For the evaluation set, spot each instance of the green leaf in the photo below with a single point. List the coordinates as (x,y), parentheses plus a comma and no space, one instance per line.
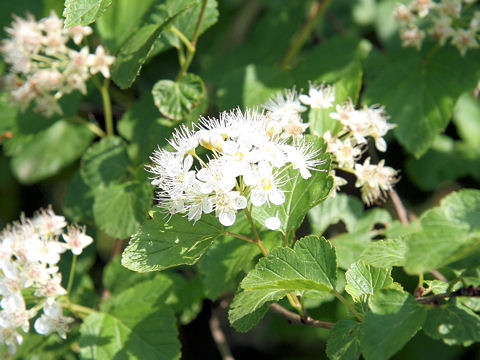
(116,278)
(121,20)
(394,320)
(78,201)
(186,298)
(251,85)
(83,12)
(465,116)
(429,171)
(159,245)
(134,52)
(136,324)
(310,265)
(229,259)
(44,154)
(300,194)
(347,209)
(385,253)
(119,209)
(454,325)
(176,100)
(248,308)
(144,127)
(420,94)
(363,281)
(343,342)
(449,233)
(104,162)
(359,224)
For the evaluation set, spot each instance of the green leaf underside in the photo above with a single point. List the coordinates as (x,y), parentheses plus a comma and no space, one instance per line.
(104,162)
(310,265)
(343,341)
(136,324)
(159,245)
(394,320)
(38,157)
(449,232)
(83,12)
(135,50)
(365,280)
(455,325)
(176,99)
(300,194)
(385,253)
(120,209)
(423,98)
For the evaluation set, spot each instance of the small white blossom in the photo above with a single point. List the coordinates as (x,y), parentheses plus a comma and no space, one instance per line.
(273,223)
(76,239)
(412,36)
(464,40)
(319,96)
(52,320)
(100,62)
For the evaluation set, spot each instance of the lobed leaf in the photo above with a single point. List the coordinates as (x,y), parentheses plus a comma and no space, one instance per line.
(159,245)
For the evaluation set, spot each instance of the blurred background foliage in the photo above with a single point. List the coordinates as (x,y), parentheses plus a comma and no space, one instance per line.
(238,58)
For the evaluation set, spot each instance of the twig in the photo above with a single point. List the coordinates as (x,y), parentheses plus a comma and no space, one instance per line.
(399,208)
(438,275)
(219,337)
(318,9)
(470,291)
(291,317)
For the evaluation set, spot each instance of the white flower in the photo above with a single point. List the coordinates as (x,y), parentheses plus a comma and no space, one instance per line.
(52,320)
(452,8)
(319,96)
(100,62)
(184,140)
(47,223)
(46,251)
(285,106)
(402,14)
(412,36)
(78,32)
(265,186)
(51,288)
(422,7)
(374,180)
(273,223)
(76,239)
(226,206)
(304,157)
(464,40)
(442,29)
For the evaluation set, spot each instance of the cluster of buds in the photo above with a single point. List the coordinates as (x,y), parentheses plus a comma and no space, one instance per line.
(246,162)
(444,20)
(43,66)
(29,277)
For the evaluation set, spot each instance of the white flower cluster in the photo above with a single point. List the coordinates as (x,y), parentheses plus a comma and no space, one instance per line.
(43,67)
(246,161)
(347,146)
(443,20)
(29,252)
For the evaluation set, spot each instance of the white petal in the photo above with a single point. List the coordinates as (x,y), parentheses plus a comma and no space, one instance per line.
(227,217)
(273,223)
(380,144)
(240,202)
(305,173)
(277,197)
(43,326)
(258,198)
(305,99)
